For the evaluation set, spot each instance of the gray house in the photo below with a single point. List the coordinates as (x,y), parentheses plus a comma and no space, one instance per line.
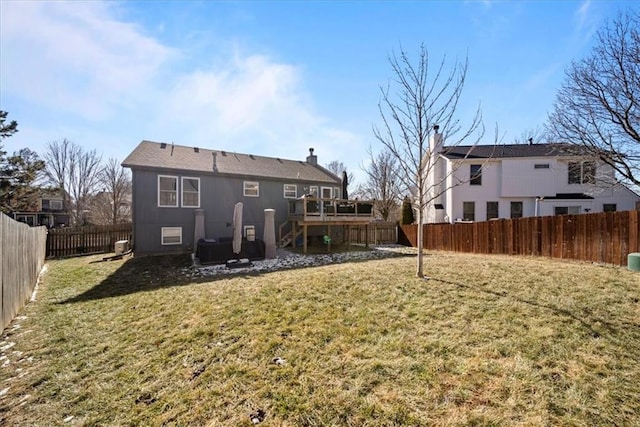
(171,183)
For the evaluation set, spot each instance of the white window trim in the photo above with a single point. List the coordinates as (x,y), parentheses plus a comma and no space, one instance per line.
(170,229)
(249,227)
(337,193)
(322,189)
(244,188)
(167,206)
(182,192)
(295,191)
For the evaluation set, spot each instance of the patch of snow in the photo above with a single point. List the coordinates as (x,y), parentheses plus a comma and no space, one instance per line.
(7,346)
(287,260)
(35,288)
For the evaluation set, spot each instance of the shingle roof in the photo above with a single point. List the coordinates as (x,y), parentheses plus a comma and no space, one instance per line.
(163,156)
(512,150)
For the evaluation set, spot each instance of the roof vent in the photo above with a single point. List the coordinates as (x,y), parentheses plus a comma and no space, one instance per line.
(196,150)
(163,145)
(224,153)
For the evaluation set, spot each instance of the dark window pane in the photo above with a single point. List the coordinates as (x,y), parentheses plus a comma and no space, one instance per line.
(476,175)
(516,209)
(492,210)
(574,173)
(469,211)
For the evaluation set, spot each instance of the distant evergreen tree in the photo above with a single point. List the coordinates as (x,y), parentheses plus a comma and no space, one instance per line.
(18,173)
(407,211)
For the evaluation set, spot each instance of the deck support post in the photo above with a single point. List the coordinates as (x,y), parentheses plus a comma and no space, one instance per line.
(366,235)
(304,238)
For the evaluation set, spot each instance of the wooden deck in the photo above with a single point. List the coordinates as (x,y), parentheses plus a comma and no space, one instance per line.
(312,211)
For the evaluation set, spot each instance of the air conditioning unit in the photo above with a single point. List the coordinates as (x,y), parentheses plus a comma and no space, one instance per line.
(121,247)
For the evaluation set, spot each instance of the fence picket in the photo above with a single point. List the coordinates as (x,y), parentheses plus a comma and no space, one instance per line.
(605,237)
(85,240)
(21,259)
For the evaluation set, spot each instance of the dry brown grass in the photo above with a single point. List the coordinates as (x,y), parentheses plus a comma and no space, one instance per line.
(489,340)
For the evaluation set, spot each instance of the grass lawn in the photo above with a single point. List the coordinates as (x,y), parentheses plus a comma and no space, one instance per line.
(489,340)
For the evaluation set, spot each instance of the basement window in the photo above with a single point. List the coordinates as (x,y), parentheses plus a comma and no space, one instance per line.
(171,235)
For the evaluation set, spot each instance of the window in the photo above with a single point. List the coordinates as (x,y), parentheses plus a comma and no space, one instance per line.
(190,192)
(251,189)
(27,219)
(476,175)
(171,235)
(55,205)
(326,192)
(313,191)
(469,211)
(290,191)
(609,207)
(250,232)
(516,209)
(589,172)
(167,191)
(492,210)
(541,166)
(337,193)
(567,210)
(582,172)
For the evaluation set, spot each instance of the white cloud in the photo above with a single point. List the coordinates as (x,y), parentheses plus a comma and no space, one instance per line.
(76,57)
(111,84)
(249,103)
(582,13)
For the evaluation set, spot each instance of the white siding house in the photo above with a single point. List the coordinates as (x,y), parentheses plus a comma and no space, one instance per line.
(520,180)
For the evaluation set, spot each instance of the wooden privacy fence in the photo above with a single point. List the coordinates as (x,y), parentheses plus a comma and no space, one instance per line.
(22,250)
(606,237)
(86,240)
(374,233)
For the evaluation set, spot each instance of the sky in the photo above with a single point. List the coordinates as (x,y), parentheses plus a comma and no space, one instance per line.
(272,78)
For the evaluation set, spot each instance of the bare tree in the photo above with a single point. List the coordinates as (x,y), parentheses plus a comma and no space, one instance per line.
(536,135)
(597,107)
(336,167)
(423,102)
(112,205)
(75,172)
(382,182)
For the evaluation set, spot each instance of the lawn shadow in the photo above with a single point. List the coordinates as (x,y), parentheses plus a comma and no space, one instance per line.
(612,330)
(149,273)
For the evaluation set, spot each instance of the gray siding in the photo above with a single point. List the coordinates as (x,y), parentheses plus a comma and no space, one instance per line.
(218,196)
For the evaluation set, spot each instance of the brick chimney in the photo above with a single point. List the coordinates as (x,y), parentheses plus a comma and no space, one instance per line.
(311,158)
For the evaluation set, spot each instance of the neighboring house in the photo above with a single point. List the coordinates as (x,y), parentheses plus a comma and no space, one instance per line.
(486,182)
(171,183)
(50,211)
(102,210)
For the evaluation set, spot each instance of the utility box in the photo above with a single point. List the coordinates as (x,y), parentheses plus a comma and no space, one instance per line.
(121,247)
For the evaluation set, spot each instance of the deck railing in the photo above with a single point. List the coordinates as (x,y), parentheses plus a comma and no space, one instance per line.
(308,207)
